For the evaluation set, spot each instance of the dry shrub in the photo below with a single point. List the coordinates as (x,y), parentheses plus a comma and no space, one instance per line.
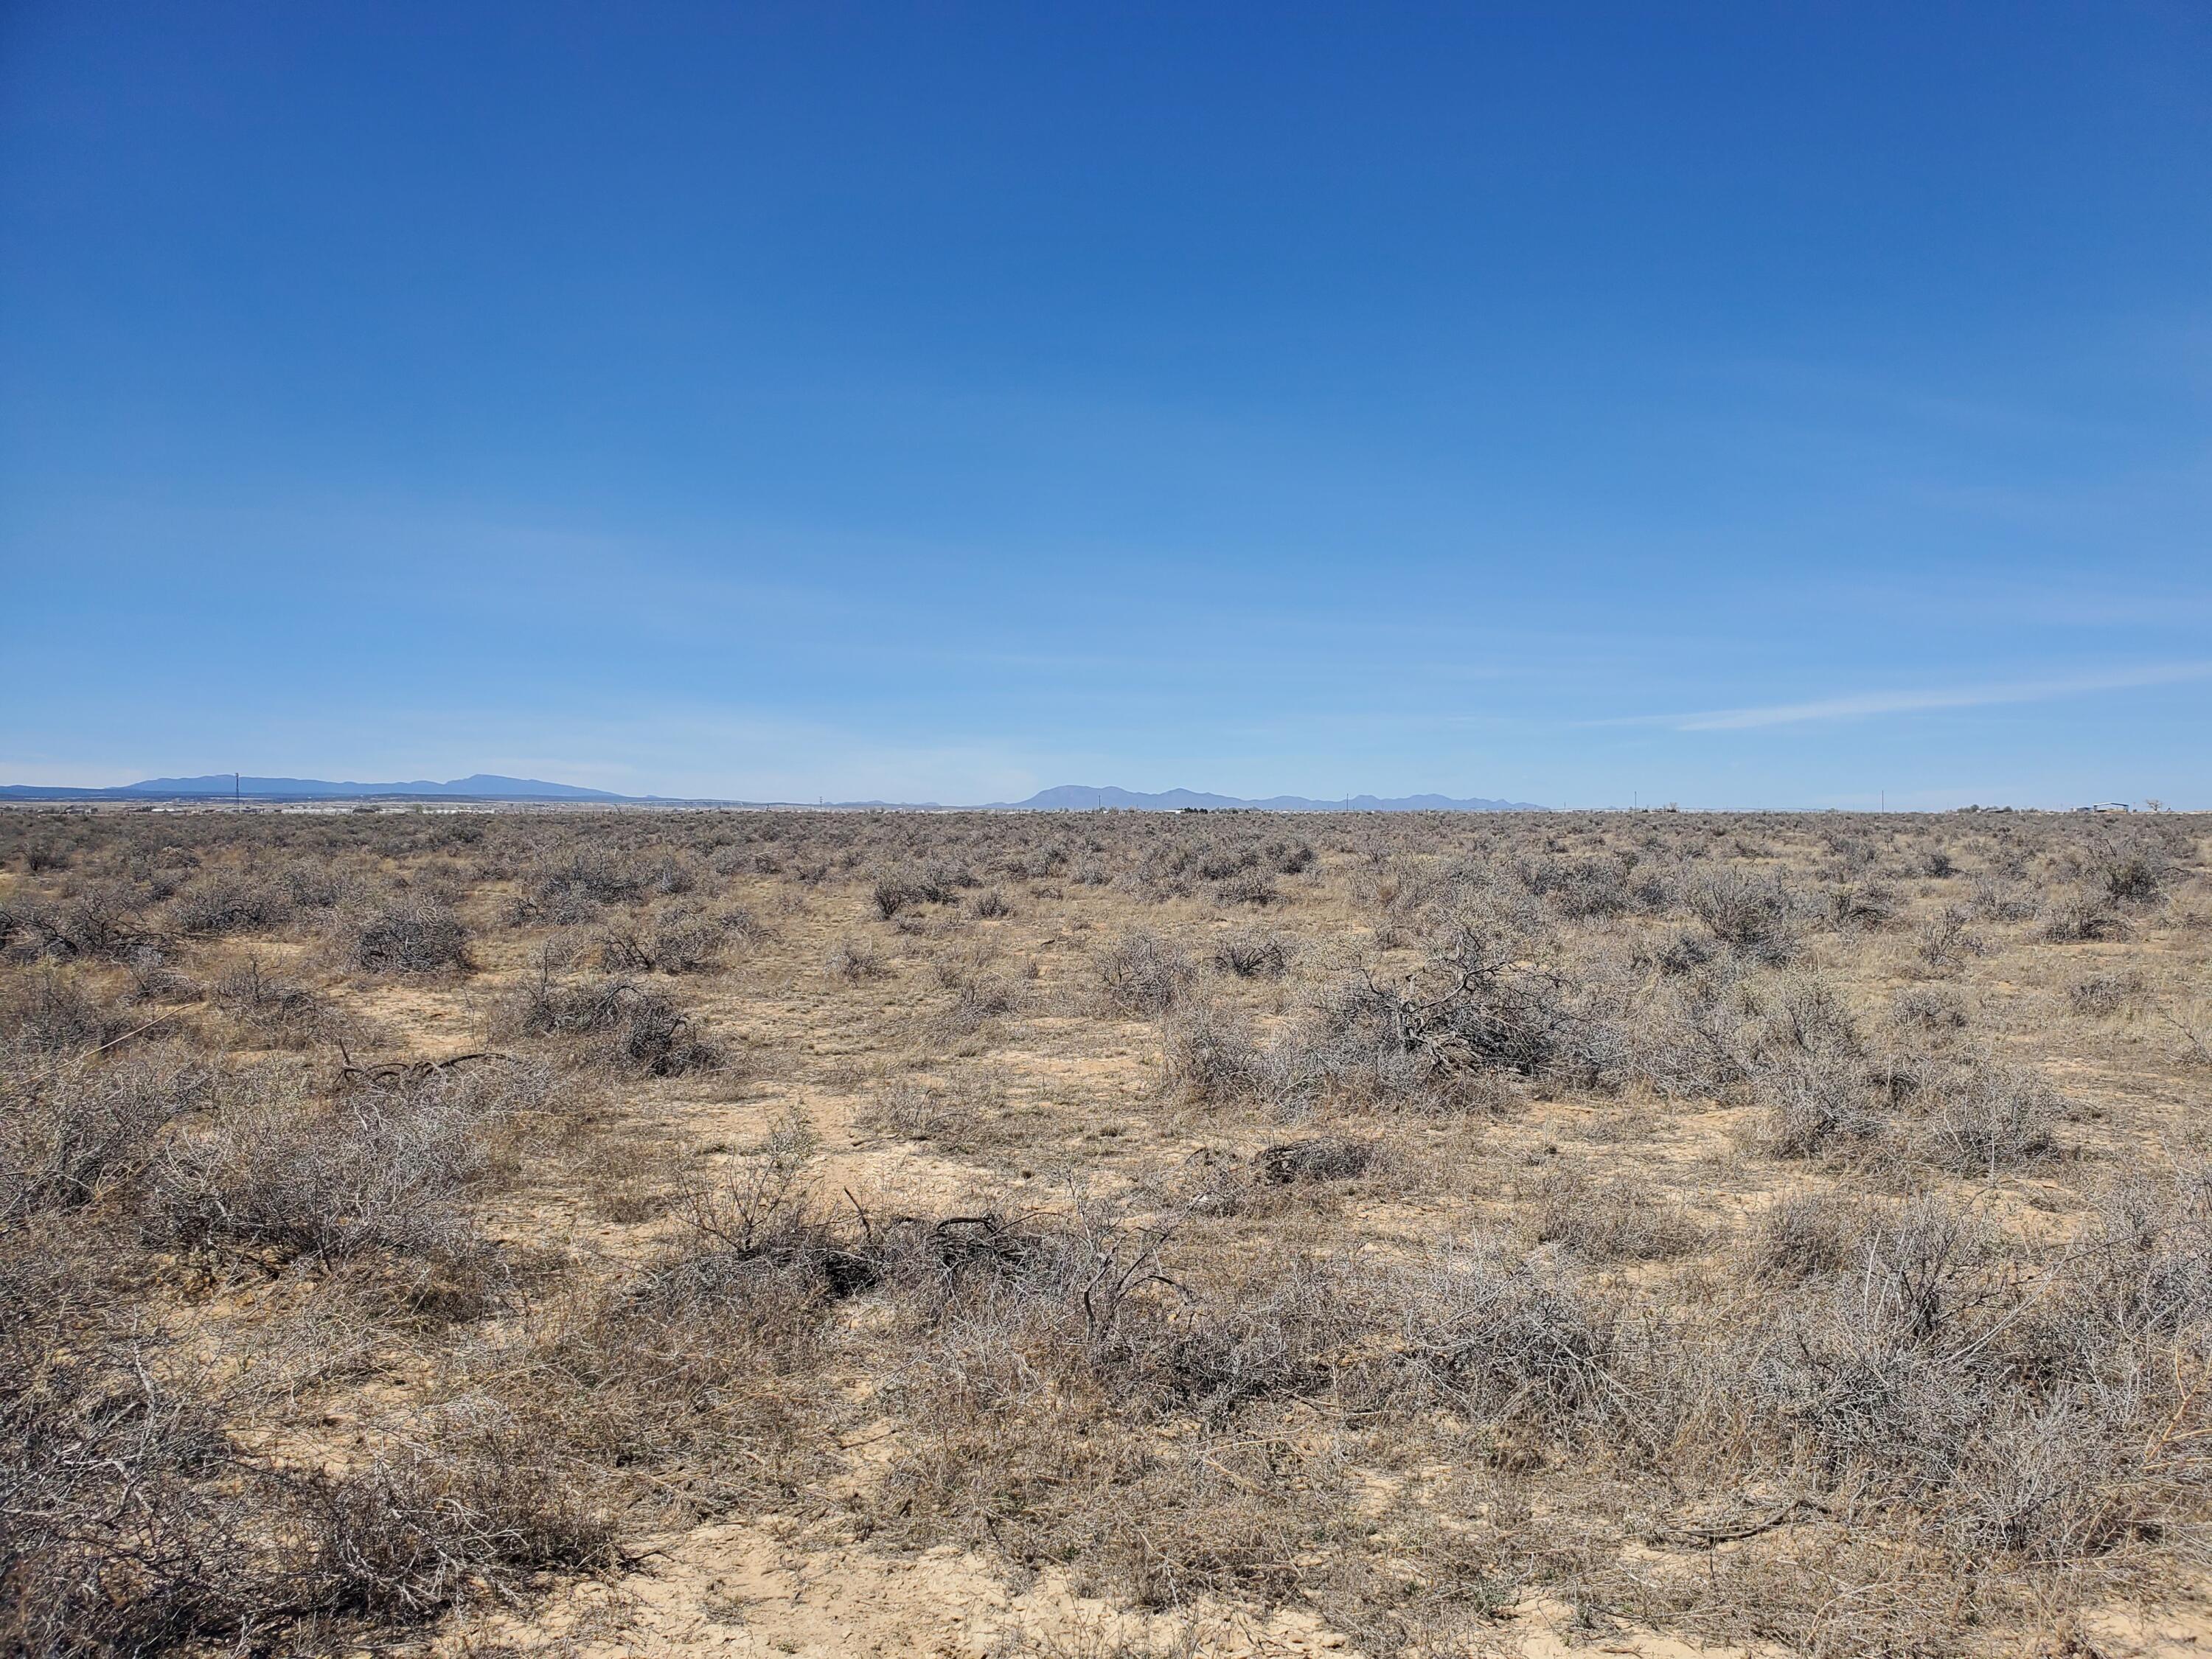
(231,902)
(1991,1118)
(695,1368)
(128,1524)
(380,1175)
(478,1507)
(54,1011)
(954,1113)
(412,934)
(1927,1008)
(2082,916)
(1479,1009)
(570,889)
(1753,916)
(1512,1343)
(1294,1162)
(1860,905)
(1622,1219)
(131,1521)
(1945,943)
(279,1011)
(1998,900)
(1815,1102)
(2131,869)
(977,1000)
(614,1023)
(1252,887)
(103,923)
(1583,888)
(2152,1271)
(853,960)
(1142,973)
(1804,1235)
(891,895)
(1254,956)
(1211,1057)
(71,1129)
(2101,996)
(680,940)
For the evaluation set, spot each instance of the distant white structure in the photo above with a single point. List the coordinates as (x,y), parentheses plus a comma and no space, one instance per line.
(2109,806)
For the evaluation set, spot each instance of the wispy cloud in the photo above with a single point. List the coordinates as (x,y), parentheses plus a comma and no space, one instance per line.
(1861,705)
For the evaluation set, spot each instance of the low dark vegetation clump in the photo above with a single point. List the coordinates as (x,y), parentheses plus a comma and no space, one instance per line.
(72,1129)
(229,902)
(615,1023)
(681,939)
(412,934)
(1254,956)
(276,1010)
(1141,973)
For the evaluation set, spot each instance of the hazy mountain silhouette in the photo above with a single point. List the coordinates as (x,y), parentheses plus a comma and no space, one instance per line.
(1079,797)
(483,785)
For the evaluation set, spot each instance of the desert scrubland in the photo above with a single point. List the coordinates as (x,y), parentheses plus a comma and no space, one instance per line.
(669,1232)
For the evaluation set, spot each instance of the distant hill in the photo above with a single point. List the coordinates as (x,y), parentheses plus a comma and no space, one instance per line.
(1079,797)
(482,786)
(488,786)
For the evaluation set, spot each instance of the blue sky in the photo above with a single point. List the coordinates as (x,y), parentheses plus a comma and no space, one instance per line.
(1790,405)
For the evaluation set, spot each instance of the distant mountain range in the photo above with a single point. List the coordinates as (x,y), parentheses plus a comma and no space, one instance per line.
(487,786)
(1082,798)
(221,785)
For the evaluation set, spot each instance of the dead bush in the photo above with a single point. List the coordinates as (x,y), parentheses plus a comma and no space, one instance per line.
(853,960)
(615,1023)
(977,1000)
(411,934)
(2081,916)
(1815,1102)
(280,1012)
(1477,1006)
(382,1171)
(1142,973)
(1617,1219)
(1991,1118)
(1508,1343)
(1804,1235)
(129,1524)
(2101,996)
(1754,916)
(53,1011)
(1926,1008)
(891,894)
(1209,1056)
(1860,905)
(70,1129)
(1945,942)
(476,1508)
(1252,887)
(230,902)
(1294,1162)
(1254,956)
(104,922)
(682,940)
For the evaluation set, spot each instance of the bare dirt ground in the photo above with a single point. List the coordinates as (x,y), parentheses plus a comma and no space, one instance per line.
(670,1233)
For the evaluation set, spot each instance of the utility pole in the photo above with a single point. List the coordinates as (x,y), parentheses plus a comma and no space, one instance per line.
(237,790)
